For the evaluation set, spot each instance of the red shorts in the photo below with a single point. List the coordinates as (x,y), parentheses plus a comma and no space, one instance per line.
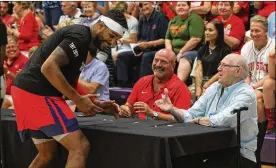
(41,117)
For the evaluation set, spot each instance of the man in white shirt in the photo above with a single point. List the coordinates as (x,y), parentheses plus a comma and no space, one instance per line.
(72,14)
(256,54)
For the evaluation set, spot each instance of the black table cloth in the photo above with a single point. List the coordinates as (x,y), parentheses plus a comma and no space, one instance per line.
(124,143)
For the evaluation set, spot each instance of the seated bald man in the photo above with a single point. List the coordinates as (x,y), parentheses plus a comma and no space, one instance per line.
(149,88)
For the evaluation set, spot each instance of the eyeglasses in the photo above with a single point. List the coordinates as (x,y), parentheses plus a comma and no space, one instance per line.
(222,65)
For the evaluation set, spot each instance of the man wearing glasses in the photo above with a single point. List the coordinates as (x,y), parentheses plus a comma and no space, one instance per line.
(214,107)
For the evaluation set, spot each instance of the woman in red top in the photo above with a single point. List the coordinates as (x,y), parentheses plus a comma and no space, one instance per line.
(264,8)
(234,29)
(27,28)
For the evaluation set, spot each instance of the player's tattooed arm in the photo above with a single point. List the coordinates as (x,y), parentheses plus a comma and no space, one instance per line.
(60,57)
(52,72)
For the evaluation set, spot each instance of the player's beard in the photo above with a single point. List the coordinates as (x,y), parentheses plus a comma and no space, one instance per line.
(97,42)
(100,43)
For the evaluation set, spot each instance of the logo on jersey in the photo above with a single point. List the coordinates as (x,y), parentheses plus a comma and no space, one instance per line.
(82,66)
(227,29)
(176,29)
(75,51)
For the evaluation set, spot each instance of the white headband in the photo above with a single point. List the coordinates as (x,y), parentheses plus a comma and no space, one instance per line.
(111,24)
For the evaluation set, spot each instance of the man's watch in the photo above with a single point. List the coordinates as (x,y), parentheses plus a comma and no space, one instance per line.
(155,115)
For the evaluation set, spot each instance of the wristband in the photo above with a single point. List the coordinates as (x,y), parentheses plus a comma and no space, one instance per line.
(80,89)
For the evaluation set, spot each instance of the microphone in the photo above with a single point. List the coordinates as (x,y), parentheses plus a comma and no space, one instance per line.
(239,110)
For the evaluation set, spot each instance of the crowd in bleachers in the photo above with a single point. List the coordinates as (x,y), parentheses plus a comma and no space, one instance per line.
(200,34)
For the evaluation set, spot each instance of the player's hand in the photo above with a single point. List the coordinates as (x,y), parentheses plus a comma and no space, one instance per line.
(104,104)
(86,106)
(109,106)
(115,110)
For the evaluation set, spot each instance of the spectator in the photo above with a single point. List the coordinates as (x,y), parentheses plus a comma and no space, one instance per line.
(39,19)
(269,93)
(202,8)
(214,107)
(264,8)
(27,28)
(133,9)
(168,8)
(256,54)
(6,17)
(89,11)
(71,14)
(37,5)
(94,76)
(241,9)
(102,7)
(149,88)
(130,36)
(271,25)
(214,8)
(233,26)
(52,12)
(183,36)
(209,56)
(151,34)
(14,62)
